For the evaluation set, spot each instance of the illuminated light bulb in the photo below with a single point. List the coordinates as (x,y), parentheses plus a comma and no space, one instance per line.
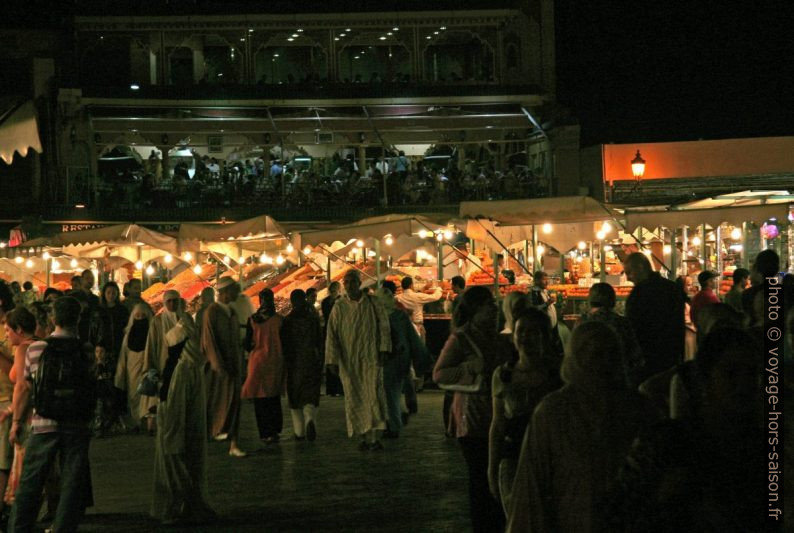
(601,235)
(573,254)
(541,249)
(3,244)
(73,263)
(197,269)
(696,241)
(168,258)
(280,259)
(241,260)
(422,234)
(188,256)
(582,245)
(138,265)
(667,249)
(290,248)
(579,259)
(56,265)
(371,253)
(606,227)
(439,237)
(447,234)
(736,234)
(149,270)
(389,240)
(263,258)
(307,250)
(646,252)
(18,259)
(226,259)
(29,263)
(359,243)
(547,228)
(46,255)
(689,254)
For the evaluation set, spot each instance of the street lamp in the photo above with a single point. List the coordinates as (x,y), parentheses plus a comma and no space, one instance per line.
(638,166)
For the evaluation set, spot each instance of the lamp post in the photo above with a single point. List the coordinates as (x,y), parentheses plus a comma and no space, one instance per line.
(637,169)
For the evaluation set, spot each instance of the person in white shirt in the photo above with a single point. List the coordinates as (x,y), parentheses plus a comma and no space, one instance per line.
(414,302)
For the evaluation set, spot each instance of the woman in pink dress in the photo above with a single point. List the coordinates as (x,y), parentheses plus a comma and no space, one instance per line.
(266,372)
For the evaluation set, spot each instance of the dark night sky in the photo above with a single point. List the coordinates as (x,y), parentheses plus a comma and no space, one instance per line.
(630,71)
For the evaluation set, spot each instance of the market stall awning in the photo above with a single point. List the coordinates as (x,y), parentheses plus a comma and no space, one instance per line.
(122,240)
(562,237)
(372,228)
(18,130)
(563,209)
(731,209)
(253,228)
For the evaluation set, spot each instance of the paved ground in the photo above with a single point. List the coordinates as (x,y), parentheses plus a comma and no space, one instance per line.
(418,483)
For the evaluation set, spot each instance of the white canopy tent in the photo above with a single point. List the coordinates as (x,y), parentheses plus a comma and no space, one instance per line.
(233,239)
(18,131)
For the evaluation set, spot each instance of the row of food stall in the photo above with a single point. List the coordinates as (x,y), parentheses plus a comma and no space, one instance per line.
(576,240)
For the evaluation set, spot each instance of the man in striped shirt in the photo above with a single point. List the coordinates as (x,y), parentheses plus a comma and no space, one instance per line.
(50,438)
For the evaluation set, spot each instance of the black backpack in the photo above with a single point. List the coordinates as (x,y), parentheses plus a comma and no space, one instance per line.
(64,384)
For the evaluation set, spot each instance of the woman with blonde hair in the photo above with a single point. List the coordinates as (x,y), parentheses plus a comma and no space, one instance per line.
(129,370)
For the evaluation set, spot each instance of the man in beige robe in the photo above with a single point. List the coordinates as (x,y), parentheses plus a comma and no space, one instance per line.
(156,352)
(220,342)
(180,493)
(357,343)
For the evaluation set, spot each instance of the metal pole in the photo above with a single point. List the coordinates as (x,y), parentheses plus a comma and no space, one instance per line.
(240,264)
(673,256)
(526,254)
(495,273)
(328,270)
(603,258)
(745,253)
(440,260)
(718,248)
(703,255)
(48,269)
(377,259)
(535,262)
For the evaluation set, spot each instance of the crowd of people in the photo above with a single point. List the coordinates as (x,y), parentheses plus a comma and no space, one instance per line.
(257,181)
(605,428)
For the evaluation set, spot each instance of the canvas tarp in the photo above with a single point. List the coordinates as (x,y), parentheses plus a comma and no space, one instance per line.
(19,132)
(372,228)
(731,209)
(562,237)
(253,228)
(564,209)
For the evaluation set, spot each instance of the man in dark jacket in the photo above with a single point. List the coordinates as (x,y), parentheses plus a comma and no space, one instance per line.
(655,309)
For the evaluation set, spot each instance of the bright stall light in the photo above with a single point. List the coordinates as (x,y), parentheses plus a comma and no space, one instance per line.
(18,259)
(290,248)
(606,227)
(188,256)
(582,245)
(572,254)
(29,263)
(447,234)
(422,234)
(197,269)
(359,243)
(138,265)
(667,249)
(371,253)
(579,259)
(389,240)
(227,259)
(280,259)
(240,260)
(168,258)
(541,249)
(647,252)
(547,228)
(736,234)
(439,237)
(73,263)
(696,241)
(46,255)
(56,265)
(307,250)
(601,235)
(149,270)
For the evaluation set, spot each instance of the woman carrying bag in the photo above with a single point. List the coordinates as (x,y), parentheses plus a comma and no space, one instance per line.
(466,363)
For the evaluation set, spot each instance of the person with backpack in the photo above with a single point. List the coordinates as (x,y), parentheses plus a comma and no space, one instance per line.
(60,386)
